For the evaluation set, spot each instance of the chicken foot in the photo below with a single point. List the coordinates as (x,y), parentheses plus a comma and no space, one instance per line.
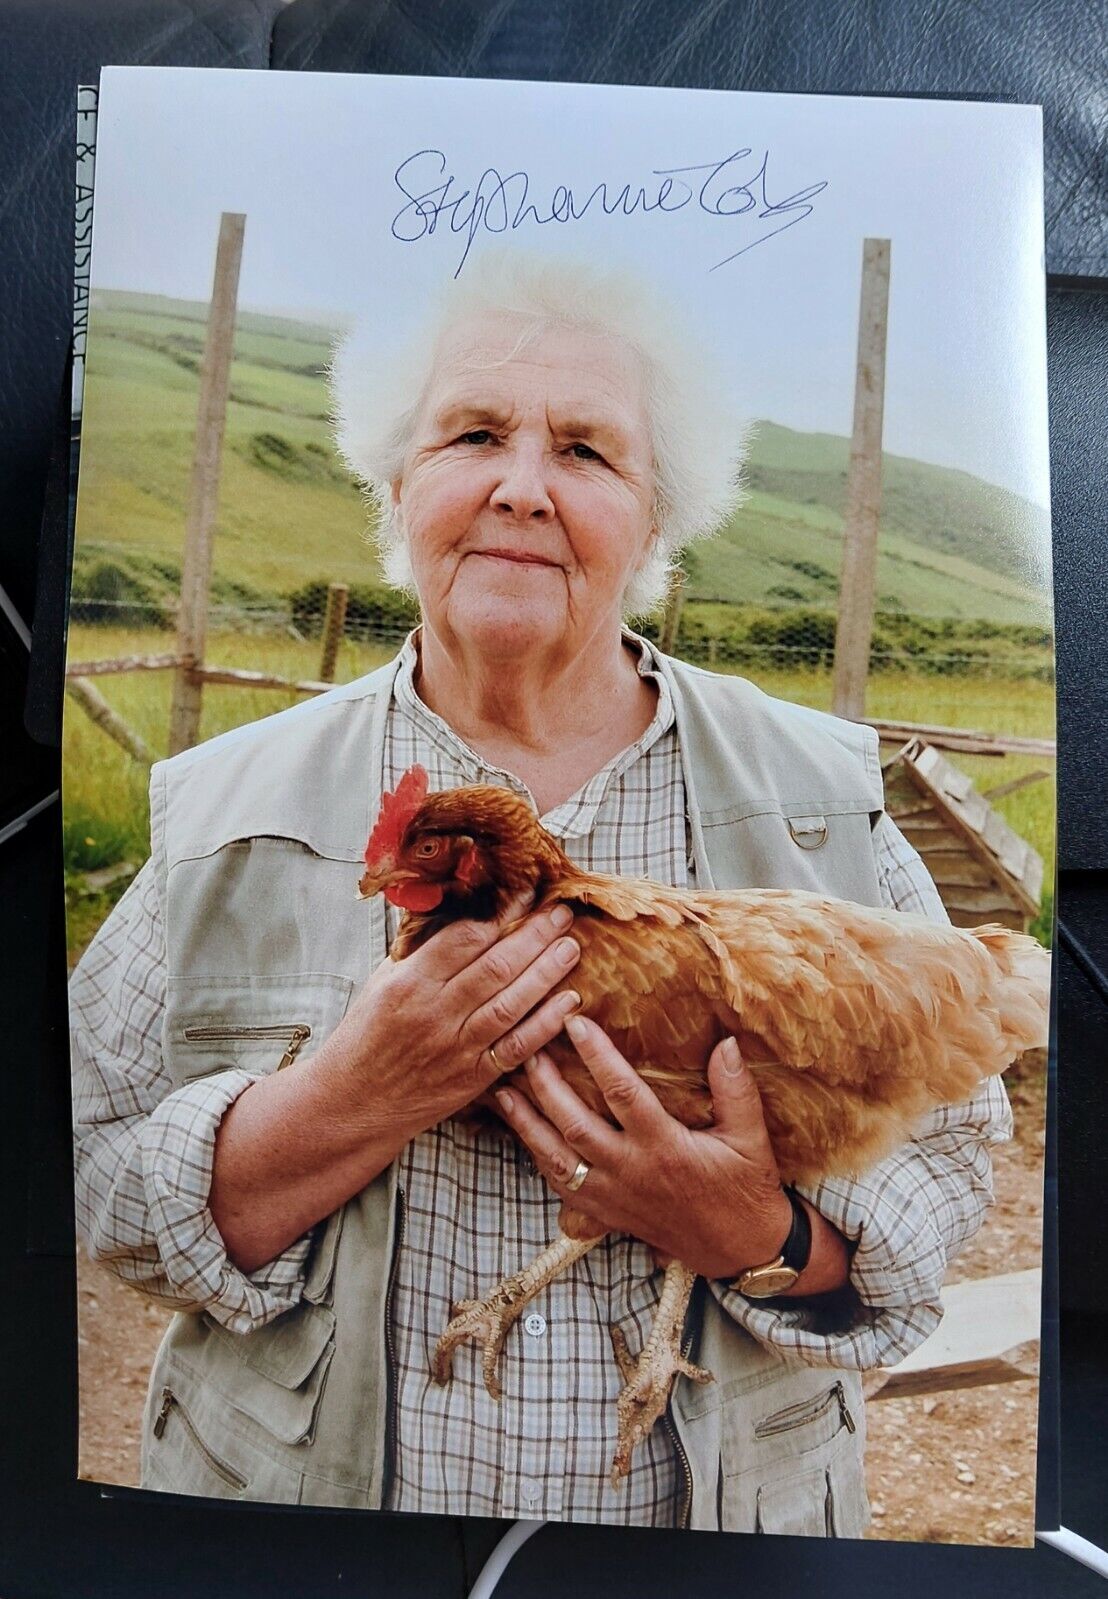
(487,1321)
(647,1381)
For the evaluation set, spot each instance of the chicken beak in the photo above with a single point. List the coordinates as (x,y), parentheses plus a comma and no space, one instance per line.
(372,883)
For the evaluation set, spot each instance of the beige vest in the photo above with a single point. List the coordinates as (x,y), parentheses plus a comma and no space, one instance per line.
(257,838)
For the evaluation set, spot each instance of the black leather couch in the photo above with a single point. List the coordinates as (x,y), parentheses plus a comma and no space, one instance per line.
(58,1536)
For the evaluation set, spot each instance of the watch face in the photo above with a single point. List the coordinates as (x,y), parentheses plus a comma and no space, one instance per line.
(770,1280)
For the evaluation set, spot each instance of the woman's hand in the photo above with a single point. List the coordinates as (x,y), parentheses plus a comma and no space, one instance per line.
(712,1198)
(429,1034)
(415,1046)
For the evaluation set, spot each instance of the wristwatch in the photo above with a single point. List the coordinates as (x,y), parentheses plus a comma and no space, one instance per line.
(777,1276)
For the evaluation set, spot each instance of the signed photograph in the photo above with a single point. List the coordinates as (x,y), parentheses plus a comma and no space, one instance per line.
(559,802)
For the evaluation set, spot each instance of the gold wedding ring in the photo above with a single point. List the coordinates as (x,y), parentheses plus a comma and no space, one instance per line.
(580,1172)
(495,1062)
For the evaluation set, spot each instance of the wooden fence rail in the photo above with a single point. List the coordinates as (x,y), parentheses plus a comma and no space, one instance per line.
(239,677)
(967,740)
(96,707)
(127,663)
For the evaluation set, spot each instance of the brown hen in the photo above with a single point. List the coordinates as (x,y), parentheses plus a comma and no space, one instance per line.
(854,1021)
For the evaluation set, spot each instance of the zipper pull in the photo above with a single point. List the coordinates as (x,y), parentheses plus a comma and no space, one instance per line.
(847,1419)
(167,1406)
(299,1034)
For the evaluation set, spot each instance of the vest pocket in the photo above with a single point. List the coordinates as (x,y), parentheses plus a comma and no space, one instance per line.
(263,1386)
(193,1443)
(820,848)
(261,1024)
(230,1415)
(296,1034)
(807,1411)
(798,1506)
(794,1468)
(276,1375)
(171,1406)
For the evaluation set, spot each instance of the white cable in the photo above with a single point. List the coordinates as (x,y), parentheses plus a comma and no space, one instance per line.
(498,1562)
(13,616)
(21,821)
(1078,1548)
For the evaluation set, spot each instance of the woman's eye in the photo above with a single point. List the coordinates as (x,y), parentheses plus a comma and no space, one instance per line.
(478,436)
(584,452)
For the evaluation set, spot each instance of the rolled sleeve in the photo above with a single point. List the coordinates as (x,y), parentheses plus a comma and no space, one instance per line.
(143,1152)
(906,1220)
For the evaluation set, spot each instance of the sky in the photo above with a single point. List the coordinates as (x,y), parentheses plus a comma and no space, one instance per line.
(752,215)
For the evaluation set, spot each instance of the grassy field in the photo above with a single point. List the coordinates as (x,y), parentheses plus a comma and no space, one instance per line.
(105,807)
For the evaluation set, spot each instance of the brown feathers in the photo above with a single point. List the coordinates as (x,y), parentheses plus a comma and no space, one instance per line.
(855,1022)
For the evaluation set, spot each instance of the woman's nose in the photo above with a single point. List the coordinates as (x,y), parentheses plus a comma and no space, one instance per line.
(522,491)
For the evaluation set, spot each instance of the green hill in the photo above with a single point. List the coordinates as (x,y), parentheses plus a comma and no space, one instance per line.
(946,510)
(951,545)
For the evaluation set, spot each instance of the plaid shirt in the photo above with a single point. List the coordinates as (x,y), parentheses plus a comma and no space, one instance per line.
(474,1208)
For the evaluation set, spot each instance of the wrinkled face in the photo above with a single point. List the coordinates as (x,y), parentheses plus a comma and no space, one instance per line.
(527,495)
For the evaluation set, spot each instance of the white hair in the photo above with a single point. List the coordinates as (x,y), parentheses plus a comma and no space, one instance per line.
(698,440)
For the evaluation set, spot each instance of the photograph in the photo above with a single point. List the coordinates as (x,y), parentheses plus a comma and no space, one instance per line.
(559,801)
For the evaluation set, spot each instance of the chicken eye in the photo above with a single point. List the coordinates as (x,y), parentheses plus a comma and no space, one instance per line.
(428,847)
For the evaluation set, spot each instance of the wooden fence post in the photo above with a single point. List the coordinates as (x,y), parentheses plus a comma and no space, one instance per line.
(858,582)
(211,417)
(671,616)
(334,621)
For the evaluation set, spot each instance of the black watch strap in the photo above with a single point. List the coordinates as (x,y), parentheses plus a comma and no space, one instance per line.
(797,1248)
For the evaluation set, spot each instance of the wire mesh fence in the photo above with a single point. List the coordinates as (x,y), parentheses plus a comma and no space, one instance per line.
(981,678)
(713,633)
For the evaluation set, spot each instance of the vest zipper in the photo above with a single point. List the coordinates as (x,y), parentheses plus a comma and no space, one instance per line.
(685,1513)
(296,1034)
(170,1402)
(847,1418)
(807,1411)
(390,1351)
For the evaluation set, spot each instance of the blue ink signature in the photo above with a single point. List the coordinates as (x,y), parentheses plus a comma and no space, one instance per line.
(732,188)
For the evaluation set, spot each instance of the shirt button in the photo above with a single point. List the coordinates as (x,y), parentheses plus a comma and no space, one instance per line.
(529,1491)
(535,1324)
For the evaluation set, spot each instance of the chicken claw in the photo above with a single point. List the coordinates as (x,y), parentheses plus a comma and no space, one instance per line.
(483,1321)
(648,1381)
(488,1321)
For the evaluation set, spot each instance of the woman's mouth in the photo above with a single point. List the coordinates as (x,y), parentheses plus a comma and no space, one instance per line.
(518,557)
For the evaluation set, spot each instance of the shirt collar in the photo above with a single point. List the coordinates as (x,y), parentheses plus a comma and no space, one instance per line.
(576,815)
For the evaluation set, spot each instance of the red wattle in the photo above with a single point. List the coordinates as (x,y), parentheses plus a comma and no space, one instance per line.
(413,896)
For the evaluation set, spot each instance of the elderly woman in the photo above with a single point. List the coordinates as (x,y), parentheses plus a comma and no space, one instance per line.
(538,460)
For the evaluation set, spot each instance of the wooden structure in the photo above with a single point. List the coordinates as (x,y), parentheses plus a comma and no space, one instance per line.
(989,1334)
(970,741)
(984,871)
(858,582)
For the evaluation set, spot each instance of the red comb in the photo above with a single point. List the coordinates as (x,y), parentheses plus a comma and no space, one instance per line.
(397,810)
